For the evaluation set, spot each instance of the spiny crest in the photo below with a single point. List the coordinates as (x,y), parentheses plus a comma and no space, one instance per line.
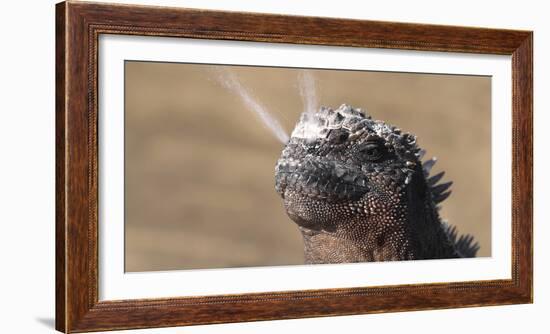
(465,244)
(439,191)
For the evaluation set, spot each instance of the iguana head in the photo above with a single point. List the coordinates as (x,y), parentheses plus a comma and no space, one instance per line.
(340,165)
(347,176)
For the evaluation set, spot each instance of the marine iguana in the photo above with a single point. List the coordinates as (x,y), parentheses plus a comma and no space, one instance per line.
(358,191)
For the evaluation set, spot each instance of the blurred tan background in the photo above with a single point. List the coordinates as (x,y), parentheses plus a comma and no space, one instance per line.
(200,166)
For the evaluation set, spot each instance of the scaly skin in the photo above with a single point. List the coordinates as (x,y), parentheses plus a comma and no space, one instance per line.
(358,192)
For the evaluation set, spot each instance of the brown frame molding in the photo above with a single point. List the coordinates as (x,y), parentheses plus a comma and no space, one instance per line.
(78,25)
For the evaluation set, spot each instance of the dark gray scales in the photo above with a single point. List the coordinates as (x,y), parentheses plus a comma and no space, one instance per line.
(358,191)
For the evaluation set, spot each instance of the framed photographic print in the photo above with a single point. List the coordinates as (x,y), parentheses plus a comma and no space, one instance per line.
(224,166)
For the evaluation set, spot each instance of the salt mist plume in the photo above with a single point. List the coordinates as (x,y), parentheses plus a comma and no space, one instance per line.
(308,92)
(230,81)
(307,127)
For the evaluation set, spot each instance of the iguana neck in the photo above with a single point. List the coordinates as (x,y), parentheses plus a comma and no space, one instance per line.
(322,247)
(406,230)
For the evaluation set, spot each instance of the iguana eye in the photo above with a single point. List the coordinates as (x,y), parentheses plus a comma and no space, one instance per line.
(372,150)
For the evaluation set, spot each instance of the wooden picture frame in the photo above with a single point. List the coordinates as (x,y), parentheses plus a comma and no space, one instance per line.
(78,26)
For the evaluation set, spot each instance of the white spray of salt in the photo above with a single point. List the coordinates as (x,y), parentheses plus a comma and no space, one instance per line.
(230,81)
(308,127)
(308,92)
